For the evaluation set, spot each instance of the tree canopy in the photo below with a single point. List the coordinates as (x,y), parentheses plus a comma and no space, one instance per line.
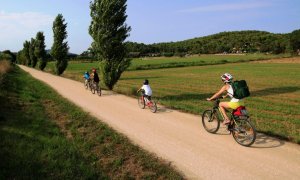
(109,31)
(60,48)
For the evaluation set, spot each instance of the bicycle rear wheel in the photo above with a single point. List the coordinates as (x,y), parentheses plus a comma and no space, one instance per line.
(244,132)
(99,91)
(141,102)
(153,106)
(210,121)
(93,88)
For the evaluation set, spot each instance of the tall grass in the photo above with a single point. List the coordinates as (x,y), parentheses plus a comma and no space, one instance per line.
(5,67)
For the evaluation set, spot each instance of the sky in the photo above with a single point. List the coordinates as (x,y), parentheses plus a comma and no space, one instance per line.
(151,21)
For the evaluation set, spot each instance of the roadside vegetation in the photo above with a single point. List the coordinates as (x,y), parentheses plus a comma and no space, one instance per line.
(45,136)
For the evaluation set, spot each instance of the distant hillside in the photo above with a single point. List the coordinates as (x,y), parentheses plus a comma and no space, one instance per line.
(224,42)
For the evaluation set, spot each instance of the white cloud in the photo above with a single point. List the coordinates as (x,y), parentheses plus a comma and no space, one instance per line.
(18,27)
(226,7)
(26,19)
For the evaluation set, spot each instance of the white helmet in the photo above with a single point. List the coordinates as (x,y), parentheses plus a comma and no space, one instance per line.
(226,77)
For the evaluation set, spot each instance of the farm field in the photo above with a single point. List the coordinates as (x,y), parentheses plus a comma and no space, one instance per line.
(274,85)
(275,91)
(170,62)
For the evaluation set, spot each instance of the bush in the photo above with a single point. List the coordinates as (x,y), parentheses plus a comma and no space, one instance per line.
(5,67)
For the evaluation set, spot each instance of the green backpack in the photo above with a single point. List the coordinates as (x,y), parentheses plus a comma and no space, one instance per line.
(240,89)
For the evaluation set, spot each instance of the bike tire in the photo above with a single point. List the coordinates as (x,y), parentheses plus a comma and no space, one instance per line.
(243,132)
(210,121)
(93,89)
(141,102)
(153,107)
(86,85)
(99,91)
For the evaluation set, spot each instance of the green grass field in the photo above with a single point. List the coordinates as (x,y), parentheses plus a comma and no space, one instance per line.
(275,91)
(169,62)
(45,136)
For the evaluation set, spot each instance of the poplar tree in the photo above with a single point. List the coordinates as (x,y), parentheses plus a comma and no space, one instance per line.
(109,31)
(26,47)
(33,58)
(60,48)
(40,51)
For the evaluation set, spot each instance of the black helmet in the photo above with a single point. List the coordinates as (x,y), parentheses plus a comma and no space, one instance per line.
(146,82)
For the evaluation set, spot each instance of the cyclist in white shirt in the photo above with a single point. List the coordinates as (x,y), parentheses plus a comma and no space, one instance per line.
(147,89)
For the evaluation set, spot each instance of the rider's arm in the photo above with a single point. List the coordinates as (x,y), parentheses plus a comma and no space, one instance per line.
(141,88)
(219,93)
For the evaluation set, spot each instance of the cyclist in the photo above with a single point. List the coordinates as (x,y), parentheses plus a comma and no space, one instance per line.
(227,88)
(95,77)
(86,76)
(147,89)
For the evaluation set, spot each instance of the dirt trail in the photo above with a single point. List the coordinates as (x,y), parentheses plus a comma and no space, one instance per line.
(180,138)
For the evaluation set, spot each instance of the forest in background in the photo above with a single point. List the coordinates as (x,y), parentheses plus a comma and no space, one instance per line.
(224,42)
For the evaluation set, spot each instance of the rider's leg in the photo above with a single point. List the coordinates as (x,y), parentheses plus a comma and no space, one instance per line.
(223,106)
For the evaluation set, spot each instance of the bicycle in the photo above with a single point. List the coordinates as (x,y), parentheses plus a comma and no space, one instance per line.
(143,101)
(87,83)
(95,88)
(240,126)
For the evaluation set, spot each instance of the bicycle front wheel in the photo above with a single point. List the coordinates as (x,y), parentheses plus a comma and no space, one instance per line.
(86,85)
(93,88)
(153,106)
(210,121)
(244,132)
(141,102)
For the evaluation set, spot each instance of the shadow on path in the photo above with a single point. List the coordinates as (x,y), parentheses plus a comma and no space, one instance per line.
(265,141)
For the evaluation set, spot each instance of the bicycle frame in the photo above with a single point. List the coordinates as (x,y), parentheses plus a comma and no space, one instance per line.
(219,112)
(240,127)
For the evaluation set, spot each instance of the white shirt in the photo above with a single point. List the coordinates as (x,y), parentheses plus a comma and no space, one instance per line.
(147,90)
(230,93)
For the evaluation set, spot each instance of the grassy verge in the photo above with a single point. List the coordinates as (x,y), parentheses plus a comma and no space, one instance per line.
(5,67)
(45,136)
(273,104)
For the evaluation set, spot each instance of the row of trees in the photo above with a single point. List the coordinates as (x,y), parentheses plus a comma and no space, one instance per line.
(228,42)
(108,30)
(34,52)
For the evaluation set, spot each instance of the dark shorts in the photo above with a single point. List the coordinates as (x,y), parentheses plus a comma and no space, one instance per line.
(148,97)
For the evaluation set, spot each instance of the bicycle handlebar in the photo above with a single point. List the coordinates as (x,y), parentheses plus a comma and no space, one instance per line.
(218,98)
